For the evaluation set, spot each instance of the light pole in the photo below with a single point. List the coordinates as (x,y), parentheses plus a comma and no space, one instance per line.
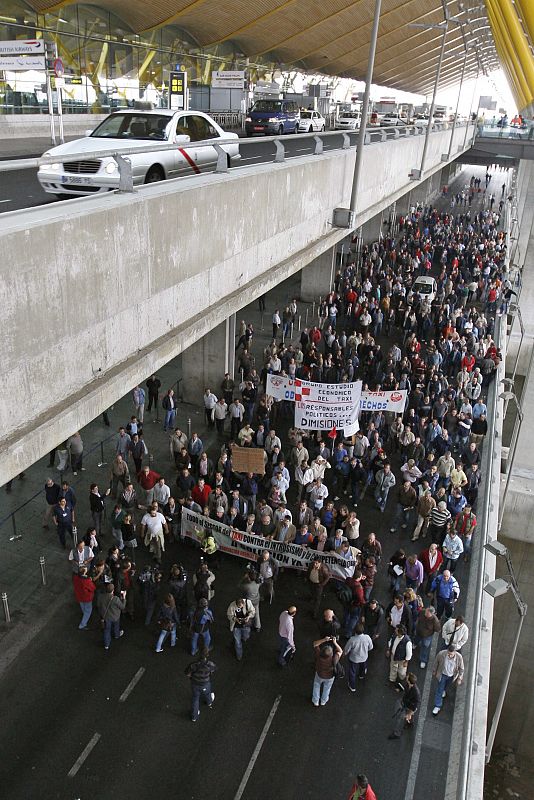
(496,588)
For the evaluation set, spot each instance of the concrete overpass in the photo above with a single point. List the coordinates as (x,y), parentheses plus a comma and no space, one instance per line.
(100,292)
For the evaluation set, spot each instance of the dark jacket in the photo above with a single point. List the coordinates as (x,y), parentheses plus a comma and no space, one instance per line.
(200,671)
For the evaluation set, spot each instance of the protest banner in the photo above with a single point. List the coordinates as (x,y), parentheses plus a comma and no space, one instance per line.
(280,387)
(394,400)
(250,546)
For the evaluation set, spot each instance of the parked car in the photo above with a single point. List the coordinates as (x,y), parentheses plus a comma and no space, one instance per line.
(311,121)
(123,130)
(348,121)
(388,120)
(272,117)
(426,287)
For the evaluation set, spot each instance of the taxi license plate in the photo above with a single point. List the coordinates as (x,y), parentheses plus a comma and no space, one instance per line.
(77,179)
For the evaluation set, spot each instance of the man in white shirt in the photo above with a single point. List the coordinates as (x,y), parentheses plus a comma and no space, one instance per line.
(161,493)
(153,526)
(210,401)
(317,494)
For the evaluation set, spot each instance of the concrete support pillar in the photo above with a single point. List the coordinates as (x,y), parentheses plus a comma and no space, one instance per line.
(206,361)
(317,278)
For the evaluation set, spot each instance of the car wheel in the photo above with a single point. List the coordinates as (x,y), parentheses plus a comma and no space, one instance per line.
(323,129)
(310,129)
(154,175)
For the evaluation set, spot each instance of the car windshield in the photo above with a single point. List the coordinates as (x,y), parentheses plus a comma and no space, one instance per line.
(267,105)
(423,288)
(134,126)
(305,114)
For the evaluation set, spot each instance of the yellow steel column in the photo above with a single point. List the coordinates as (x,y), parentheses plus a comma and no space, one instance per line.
(520,43)
(497,21)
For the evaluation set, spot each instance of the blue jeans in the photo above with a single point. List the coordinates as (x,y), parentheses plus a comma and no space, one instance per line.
(351,617)
(321,683)
(194,641)
(111,626)
(282,647)
(381,497)
(402,516)
(163,636)
(424,647)
(443,685)
(170,415)
(240,635)
(199,691)
(87,609)
(356,670)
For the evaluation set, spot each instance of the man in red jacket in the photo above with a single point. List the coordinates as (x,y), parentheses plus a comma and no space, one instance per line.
(362,789)
(84,590)
(431,559)
(200,493)
(147,480)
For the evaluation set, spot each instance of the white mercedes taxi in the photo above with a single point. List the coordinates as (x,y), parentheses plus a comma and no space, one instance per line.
(122,130)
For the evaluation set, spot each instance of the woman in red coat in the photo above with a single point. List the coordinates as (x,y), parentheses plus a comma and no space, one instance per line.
(431,559)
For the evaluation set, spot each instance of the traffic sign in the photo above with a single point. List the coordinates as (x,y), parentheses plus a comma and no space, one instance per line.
(59,69)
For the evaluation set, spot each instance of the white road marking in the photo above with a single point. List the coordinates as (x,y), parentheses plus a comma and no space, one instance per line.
(423,716)
(78,763)
(131,686)
(6,201)
(255,754)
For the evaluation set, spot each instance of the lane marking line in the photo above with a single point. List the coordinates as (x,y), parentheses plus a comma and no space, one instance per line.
(131,686)
(255,754)
(78,763)
(420,729)
(7,201)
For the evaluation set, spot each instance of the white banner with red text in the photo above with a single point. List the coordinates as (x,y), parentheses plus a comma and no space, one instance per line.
(283,388)
(250,546)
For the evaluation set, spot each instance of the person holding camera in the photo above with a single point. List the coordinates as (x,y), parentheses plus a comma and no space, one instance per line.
(327,654)
(240,614)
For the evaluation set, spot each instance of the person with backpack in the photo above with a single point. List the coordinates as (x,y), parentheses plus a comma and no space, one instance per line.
(178,589)
(352,604)
(199,673)
(327,655)
(201,620)
(250,588)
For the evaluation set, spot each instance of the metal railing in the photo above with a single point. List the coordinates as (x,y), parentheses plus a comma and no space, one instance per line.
(124,166)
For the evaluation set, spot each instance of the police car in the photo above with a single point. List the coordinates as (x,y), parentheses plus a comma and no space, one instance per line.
(122,130)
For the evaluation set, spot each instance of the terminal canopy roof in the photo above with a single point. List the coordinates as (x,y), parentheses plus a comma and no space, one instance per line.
(332,36)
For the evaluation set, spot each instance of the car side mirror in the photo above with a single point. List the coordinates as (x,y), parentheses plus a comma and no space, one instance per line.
(182,138)
(88,132)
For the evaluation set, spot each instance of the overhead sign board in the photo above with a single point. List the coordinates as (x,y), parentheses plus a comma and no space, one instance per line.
(178,90)
(228,79)
(22,63)
(21,47)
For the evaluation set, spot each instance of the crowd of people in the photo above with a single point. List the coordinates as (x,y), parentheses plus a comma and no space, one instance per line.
(420,468)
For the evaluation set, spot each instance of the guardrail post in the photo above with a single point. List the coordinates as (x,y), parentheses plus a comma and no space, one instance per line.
(125,173)
(313,309)
(318,146)
(222,159)
(5,603)
(306,318)
(189,427)
(280,152)
(74,536)
(43,569)
(346,141)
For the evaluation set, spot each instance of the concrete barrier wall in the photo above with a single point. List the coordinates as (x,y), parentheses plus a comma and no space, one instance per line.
(98,293)
(35,126)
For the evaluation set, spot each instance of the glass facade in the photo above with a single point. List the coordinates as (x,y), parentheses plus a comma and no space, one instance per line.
(107,65)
